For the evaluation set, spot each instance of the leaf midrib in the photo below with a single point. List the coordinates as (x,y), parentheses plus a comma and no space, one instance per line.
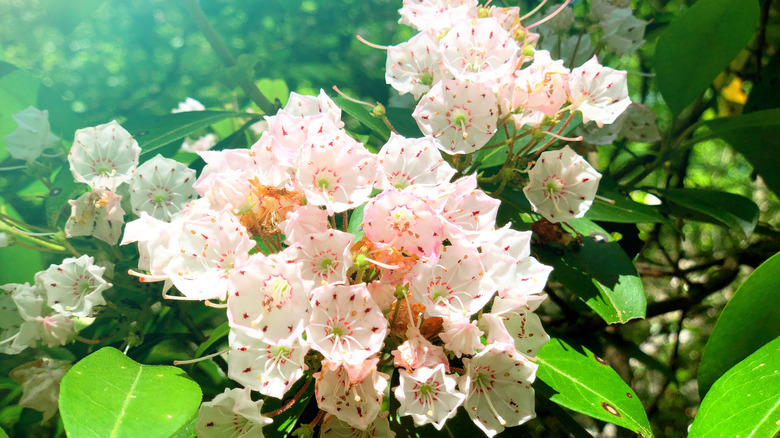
(126,403)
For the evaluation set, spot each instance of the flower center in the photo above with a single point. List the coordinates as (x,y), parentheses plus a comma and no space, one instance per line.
(276,292)
(104,167)
(553,187)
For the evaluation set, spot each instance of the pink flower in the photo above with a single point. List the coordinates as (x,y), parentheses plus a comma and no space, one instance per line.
(461,336)
(303,221)
(480,51)
(436,15)
(417,352)
(405,162)
(403,221)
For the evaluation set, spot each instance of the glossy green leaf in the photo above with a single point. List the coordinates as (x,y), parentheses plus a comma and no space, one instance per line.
(749,320)
(3,434)
(403,122)
(577,379)
(355,225)
(755,136)
(734,211)
(599,272)
(698,45)
(744,402)
(764,93)
(362,114)
(154,132)
(623,210)
(26,262)
(108,395)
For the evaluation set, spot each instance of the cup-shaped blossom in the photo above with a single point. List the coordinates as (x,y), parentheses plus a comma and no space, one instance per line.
(32,135)
(498,388)
(428,395)
(452,284)
(97,213)
(40,381)
(335,171)
(231,414)
(269,367)
(480,51)
(599,93)
(460,116)
(520,327)
(302,221)
(74,286)
(308,106)
(413,66)
(325,256)
(269,298)
(346,324)
(405,162)
(436,15)
(355,400)
(18,303)
(103,156)
(403,221)
(466,210)
(161,187)
(461,336)
(562,185)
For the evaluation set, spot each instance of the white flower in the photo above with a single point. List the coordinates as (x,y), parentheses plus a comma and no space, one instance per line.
(460,116)
(40,382)
(325,256)
(479,51)
(353,397)
(231,414)
(189,104)
(161,187)
(74,286)
(346,324)
(498,388)
(599,93)
(268,367)
(103,156)
(405,162)
(428,395)
(436,15)
(623,32)
(562,185)
(97,213)
(203,143)
(461,336)
(413,66)
(32,136)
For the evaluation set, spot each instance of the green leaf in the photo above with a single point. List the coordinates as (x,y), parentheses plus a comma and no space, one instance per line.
(285,422)
(599,272)
(700,44)
(361,113)
(107,394)
(764,94)
(64,187)
(749,320)
(26,262)
(18,90)
(744,402)
(355,225)
(274,89)
(578,380)
(734,211)
(755,136)
(624,210)
(154,132)
(403,122)
(216,335)
(3,434)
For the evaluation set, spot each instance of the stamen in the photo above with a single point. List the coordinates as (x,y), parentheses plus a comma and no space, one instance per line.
(611,201)
(376,46)
(533,11)
(352,99)
(560,137)
(549,17)
(199,359)
(493,410)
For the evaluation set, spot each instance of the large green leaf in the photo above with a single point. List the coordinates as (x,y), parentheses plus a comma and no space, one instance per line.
(697,46)
(26,262)
(624,209)
(3,434)
(751,319)
(734,211)
(745,402)
(154,132)
(108,395)
(578,380)
(755,136)
(361,113)
(18,90)
(599,272)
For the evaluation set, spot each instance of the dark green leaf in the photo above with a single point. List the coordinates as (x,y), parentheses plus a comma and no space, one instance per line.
(744,402)
(108,395)
(755,136)
(402,121)
(599,272)
(285,422)
(764,93)
(362,114)
(154,132)
(624,210)
(64,187)
(749,321)
(355,225)
(578,380)
(697,46)
(734,211)
(216,335)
